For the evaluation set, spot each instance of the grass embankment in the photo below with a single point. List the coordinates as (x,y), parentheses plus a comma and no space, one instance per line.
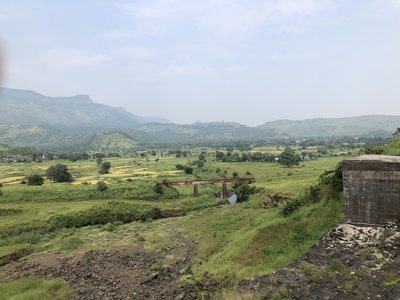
(35,289)
(245,240)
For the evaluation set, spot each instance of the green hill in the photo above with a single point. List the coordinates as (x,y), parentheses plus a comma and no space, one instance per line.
(51,139)
(31,108)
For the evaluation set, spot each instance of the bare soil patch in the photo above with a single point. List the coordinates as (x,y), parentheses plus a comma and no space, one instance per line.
(117,273)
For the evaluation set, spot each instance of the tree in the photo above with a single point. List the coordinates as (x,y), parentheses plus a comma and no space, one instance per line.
(105,167)
(187,169)
(101,186)
(289,158)
(59,173)
(35,179)
(396,134)
(242,192)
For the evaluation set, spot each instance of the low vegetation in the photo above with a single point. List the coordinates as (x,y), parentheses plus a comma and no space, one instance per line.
(33,288)
(131,203)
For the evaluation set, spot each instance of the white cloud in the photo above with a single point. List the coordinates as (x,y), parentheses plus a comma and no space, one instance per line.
(67,58)
(224,16)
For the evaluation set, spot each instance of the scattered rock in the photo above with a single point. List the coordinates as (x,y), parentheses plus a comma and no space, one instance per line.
(350,262)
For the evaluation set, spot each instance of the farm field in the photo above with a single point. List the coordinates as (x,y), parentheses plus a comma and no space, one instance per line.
(197,239)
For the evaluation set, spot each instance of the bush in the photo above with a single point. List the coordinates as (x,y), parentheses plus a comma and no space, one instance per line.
(105,167)
(290,207)
(103,214)
(333,178)
(186,169)
(23,181)
(101,186)
(35,179)
(158,188)
(242,192)
(312,194)
(374,150)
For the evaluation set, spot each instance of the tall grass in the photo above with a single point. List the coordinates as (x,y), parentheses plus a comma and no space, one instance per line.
(393,148)
(35,289)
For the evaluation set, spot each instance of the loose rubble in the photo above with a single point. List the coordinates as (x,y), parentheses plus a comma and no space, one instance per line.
(118,273)
(350,262)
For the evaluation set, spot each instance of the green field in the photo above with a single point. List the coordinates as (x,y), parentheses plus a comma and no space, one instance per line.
(233,242)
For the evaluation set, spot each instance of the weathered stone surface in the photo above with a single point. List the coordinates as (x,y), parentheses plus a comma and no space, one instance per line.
(371,187)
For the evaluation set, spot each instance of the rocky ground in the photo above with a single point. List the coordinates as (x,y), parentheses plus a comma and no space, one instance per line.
(118,273)
(350,262)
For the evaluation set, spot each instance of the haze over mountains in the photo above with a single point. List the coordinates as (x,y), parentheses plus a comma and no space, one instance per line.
(31,108)
(30,119)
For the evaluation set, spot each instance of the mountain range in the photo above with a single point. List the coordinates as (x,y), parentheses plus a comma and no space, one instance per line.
(30,119)
(31,108)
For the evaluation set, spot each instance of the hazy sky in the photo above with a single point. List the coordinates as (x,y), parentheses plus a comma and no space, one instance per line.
(249,61)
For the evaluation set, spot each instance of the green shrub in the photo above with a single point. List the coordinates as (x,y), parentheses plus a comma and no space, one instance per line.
(105,167)
(170,193)
(290,207)
(103,214)
(243,191)
(158,188)
(312,194)
(101,186)
(374,150)
(35,179)
(333,178)
(186,169)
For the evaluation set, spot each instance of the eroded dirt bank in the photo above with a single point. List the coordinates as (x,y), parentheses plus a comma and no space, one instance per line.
(118,273)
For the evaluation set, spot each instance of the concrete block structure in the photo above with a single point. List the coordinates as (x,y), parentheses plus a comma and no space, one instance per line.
(371,188)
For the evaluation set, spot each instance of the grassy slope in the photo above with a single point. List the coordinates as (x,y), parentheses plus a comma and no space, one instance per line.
(393,148)
(35,289)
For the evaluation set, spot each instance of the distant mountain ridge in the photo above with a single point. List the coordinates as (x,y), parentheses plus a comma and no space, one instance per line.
(31,119)
(368,125)
(31,108)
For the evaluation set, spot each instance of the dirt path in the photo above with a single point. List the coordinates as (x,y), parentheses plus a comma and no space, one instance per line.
(116,273)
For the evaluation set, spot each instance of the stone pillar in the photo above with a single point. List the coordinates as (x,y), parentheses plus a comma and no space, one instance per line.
(224,192)
(195,190)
